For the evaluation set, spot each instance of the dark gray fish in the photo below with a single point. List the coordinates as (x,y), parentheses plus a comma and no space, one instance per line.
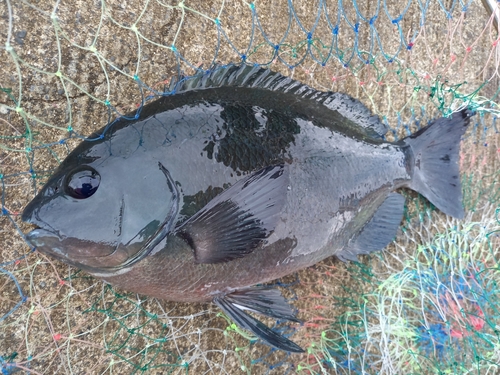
(241,177)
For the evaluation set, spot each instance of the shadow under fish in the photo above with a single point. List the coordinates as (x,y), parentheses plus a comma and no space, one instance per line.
(241,176)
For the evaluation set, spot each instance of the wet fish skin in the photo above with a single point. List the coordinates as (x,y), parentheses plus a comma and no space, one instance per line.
(242,177)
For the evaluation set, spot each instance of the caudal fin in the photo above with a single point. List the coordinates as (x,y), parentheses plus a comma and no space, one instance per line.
(435,150)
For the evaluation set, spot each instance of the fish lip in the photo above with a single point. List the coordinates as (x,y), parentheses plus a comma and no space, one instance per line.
(30,216)
(29,236)
(32,237)
(27,214)
(24,217)
(40,230)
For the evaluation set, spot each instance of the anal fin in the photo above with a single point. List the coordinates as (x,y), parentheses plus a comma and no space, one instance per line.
(379,231)
(263,300)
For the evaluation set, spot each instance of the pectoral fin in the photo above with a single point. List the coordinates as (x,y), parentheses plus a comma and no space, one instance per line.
(235,222)
(379,231)
(262,300)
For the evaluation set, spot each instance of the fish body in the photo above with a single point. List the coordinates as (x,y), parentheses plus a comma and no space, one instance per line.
(241,177)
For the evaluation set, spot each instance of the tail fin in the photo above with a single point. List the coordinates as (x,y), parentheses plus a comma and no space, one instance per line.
(436,173)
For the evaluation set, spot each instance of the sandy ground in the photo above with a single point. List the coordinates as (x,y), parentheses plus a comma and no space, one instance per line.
(76,66)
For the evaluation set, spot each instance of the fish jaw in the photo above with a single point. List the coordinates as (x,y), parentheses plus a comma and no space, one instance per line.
(46,242)
(87,255)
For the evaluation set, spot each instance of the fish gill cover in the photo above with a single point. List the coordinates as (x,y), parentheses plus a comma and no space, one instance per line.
(427,304)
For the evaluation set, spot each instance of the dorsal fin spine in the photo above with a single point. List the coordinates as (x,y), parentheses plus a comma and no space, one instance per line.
(255,76)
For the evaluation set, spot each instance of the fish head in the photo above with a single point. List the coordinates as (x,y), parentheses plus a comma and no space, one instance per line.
(101,208)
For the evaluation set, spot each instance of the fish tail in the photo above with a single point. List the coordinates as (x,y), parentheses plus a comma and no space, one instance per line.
(434,160)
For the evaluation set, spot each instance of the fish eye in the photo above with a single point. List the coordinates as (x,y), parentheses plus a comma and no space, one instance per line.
(82,183)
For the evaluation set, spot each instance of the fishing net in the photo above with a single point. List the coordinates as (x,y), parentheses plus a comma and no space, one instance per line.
(425,305)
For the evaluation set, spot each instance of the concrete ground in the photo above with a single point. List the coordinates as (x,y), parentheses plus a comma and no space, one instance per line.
(75,65)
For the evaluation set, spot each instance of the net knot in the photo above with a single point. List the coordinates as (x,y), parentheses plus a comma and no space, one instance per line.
(397,19)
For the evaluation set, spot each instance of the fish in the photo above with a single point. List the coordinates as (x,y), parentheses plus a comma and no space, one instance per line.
(238,177)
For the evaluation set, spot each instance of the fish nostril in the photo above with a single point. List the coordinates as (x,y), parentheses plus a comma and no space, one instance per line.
(50,191)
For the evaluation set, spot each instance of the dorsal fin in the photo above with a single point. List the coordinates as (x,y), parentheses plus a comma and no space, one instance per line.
(255,76)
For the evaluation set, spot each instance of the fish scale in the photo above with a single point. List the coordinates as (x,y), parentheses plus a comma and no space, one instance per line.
(240,177)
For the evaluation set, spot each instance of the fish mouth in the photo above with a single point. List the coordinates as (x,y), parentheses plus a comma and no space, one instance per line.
(30,216)
(50,243)
(27,213)
(44,238)
(46,241)
(40,231)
